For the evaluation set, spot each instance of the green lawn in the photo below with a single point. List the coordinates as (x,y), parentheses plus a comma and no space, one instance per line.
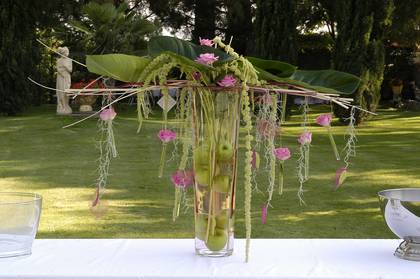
(36,154)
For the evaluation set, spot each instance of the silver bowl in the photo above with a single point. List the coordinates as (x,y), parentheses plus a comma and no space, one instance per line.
(401,211)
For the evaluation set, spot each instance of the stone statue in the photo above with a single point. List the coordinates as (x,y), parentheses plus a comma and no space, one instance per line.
(64,68)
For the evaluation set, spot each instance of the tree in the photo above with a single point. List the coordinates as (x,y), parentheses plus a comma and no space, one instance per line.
(276,29)
(239,25)
(359,47)
(20,53)
(111,29)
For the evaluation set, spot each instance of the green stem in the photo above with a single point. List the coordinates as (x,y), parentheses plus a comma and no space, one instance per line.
(281,176)
(283,107)
(333,145)
(306,148)
(175,212)
(162,160)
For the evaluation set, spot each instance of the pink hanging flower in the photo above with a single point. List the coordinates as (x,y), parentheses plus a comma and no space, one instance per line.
(182,178)
(264,211)
(207,58)
(206,42)
(266,99)
(305,138)
(266,129)
(196,75)
(255,162)
(166,135)
(340,177)
(282,153)
(108,114)
(324,119)
(227,81)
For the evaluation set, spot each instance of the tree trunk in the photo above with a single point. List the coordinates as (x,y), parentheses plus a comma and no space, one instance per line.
(239,25)
(359,48)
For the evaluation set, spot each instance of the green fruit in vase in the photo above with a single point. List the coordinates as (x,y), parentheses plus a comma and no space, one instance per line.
(202,176)
(222,220)
(201,155)
(224,152)
(217,241)
(201,226)
(221,184)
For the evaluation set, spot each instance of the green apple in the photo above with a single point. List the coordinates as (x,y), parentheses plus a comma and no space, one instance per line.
(217,241)
(201,226)
(201,155)
(222,220)
(221,184)
(224,152)
(202,176)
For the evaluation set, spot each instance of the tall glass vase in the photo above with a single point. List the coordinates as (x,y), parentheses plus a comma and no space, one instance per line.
(216,116)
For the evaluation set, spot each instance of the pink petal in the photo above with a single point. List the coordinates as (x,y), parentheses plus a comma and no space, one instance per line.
(264,212)
(340,177)
(282,153)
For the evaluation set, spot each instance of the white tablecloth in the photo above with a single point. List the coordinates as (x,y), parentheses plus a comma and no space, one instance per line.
(175,258)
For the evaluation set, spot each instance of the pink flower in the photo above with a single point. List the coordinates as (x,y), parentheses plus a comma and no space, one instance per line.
(207,58)
(166,135)
(340,177)
(264,211)
(227,81)
(196,75)
(182,178)
(324,119)
(206,42)
(266,129)
(108,114)
(305,138)
(282,153)
(255,162)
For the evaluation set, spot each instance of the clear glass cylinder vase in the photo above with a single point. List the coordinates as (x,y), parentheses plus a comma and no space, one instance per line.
(216,118)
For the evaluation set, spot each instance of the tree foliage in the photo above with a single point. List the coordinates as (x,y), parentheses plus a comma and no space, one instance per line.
(110,29)
(359,46)
(276,29)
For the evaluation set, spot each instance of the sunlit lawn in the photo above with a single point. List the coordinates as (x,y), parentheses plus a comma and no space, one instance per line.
(36,154)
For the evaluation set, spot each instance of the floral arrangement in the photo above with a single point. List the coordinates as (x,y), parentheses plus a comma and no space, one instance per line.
(218,88)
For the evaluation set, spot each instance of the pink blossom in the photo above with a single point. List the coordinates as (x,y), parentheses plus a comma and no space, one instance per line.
(266,129)
(108,114)
(227,81)
(196,75)
(305,138)
(166,135)
(207,58)
(255,162)
(206,42)
(324,119)
(282,153)
(264,211)
(340,177)
(182,178)
(266,99)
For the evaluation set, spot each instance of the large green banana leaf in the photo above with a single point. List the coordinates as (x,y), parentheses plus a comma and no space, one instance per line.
(277,68)
(324,81)
(339,81)
(160,44)
(121,67)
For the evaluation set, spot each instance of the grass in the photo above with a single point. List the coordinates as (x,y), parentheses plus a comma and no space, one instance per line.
(36,154)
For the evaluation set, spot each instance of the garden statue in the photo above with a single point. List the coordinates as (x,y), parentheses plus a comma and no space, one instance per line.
(64,68)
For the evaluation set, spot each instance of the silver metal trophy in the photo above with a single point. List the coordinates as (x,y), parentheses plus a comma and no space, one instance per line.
(401,211)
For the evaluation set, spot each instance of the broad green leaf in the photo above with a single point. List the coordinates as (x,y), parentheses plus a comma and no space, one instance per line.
(339,81)
(160,44)
(277,68)
(118,66)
